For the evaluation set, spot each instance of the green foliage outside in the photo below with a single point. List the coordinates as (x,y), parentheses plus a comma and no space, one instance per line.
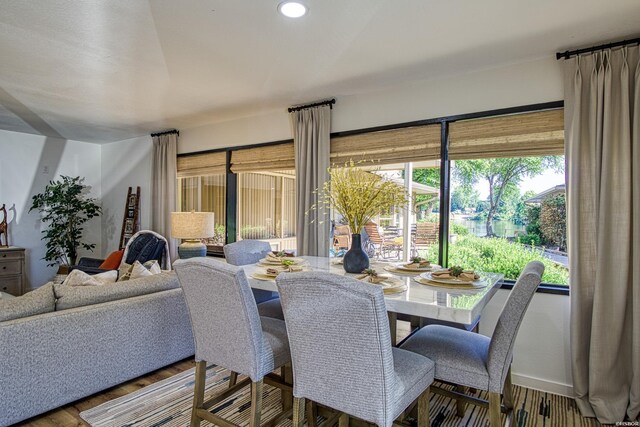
(500,256)
(459,229)
(553,224)
(255,232)
(425,203)
(65,208)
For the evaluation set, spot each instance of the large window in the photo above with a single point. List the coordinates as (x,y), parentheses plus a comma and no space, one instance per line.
(267,208)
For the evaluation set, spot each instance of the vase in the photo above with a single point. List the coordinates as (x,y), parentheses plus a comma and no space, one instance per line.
(355,260)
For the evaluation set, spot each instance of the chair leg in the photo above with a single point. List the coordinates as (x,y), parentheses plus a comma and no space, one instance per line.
(312,414)
(508,391)
(494,410)
(423,409)
(343,421)
(233,379)
(461,405)
(256,403)
(287,396)
(298,411)
(393,326)
(198,392)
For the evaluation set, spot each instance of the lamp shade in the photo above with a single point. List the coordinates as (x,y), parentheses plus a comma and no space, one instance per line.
(192,225)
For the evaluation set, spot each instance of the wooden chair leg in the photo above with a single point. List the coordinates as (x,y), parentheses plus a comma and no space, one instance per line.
(312,414)
(256,403)
(494,410)
(461,405)
(343,421)
(233,379)
(198,392)
(298,411)
(423,409)
(393,326)
(287,396)
(508,391)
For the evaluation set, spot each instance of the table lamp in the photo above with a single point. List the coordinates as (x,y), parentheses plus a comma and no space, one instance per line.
(191,227)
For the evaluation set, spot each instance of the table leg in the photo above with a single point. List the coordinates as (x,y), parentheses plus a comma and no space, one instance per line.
(393,326)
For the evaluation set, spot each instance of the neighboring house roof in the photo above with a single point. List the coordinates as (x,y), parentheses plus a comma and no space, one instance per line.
(418,188)
(553,191)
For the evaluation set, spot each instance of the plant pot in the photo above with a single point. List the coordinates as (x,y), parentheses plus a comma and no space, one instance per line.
(355,260)
(63,269)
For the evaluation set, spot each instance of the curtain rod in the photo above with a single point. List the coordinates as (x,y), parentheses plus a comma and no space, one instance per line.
(328,102)
(167,132)
(569,53)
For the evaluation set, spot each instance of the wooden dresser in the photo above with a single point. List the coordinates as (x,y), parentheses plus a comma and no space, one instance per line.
(12,271)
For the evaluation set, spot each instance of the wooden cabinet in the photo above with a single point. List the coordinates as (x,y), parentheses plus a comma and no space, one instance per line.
(12,274)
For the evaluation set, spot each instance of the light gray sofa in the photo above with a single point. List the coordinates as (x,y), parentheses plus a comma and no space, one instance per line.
(76,341)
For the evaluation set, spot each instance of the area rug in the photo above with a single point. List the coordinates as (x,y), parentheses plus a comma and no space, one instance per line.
(167,403)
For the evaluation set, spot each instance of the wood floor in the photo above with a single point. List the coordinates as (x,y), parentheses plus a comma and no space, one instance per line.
(69,415)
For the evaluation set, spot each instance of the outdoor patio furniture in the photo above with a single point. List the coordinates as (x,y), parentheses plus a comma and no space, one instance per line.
(341,237)
(342,354)
(378,245)
(472,360)
(425,236)
(229,332)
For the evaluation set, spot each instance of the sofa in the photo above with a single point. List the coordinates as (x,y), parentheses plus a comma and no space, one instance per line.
(62,343)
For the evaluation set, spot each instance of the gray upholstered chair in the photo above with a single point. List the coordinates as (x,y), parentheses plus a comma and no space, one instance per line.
(472,360)
(247,252)
(229,332)
(341,351)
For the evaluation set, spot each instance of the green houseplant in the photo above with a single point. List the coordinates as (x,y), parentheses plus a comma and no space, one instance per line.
(65,208)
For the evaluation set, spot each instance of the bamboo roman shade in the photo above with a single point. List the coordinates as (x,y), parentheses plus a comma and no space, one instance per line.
(518,135)
(265,158)
(402,145)
(202,164)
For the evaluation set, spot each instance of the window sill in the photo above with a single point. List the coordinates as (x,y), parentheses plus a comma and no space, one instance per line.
(544,288)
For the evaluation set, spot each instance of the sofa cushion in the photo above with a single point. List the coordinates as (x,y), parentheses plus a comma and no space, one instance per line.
(38,301)
(80,278)
(78,296)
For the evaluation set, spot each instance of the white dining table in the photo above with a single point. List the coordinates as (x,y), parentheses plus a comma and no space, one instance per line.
(462,306)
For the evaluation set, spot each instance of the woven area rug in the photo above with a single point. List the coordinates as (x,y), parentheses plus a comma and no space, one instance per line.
(167,403)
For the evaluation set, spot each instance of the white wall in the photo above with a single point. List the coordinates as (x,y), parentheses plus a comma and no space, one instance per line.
(519,84)
(27,163)
(124,164)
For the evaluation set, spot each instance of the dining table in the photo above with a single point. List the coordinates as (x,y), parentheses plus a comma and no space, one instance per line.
(444,302)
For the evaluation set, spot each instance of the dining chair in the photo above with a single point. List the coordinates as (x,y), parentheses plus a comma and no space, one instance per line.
(228,332)
(249,251)
(342,355)
(468,359)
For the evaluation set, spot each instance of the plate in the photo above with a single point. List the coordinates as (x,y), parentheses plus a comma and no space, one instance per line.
(390,285)
(262,276)
(402,266)
(428,276)
(457,286)
(295,260)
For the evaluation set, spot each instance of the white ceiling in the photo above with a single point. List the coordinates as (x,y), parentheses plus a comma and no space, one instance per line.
(106,70)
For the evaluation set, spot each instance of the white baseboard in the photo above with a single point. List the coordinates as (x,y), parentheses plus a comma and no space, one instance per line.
(543,385)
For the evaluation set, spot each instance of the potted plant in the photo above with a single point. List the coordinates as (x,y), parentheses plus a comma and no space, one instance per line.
(65,208)
(359,195)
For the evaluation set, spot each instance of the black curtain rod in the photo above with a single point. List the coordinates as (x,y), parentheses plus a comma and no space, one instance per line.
(168,132)
(569,53)
(328,102)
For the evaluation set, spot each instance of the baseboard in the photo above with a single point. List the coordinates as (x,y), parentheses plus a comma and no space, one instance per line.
(542,385)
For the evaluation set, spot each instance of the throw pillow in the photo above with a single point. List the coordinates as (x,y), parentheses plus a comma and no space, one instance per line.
(153,266)
(113,260)
(124,272)
(106,277)
(139,270)
(80,278)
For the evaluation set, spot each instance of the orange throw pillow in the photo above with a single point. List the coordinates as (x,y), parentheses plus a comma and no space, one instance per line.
(113,260)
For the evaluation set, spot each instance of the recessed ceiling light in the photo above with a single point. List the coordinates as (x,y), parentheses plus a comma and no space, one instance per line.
(292,9)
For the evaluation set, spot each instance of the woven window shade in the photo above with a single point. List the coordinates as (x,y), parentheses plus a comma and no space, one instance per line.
(267,158)
(202,164)
(518,135)
(389,146)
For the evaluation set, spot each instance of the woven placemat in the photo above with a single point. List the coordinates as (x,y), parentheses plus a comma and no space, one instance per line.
(448,285)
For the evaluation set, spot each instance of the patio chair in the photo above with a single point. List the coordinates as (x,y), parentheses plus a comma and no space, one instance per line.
(245,252)
(378,245)
(342,355)
(228,332)
(472,360)
(427,234)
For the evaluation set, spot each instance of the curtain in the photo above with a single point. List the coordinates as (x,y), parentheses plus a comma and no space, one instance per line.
(163,190)
(602,126)
(311,128)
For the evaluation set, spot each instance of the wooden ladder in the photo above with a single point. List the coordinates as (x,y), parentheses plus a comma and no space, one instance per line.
(131,218)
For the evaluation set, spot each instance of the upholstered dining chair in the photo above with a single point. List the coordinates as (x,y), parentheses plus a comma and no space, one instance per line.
(228,332)
(246,252)
(469,359)
(342,355)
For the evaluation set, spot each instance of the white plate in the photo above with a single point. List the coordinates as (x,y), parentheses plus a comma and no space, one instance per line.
(295,260)
(402,266)
(428,276)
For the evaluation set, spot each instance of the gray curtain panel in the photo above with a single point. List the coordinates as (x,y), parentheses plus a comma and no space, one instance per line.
(602,144)
(163,190)
(311,128)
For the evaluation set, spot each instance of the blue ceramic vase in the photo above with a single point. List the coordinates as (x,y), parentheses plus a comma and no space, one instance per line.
(355,260)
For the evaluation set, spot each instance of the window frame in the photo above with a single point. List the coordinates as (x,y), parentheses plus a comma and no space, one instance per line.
(445,175)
